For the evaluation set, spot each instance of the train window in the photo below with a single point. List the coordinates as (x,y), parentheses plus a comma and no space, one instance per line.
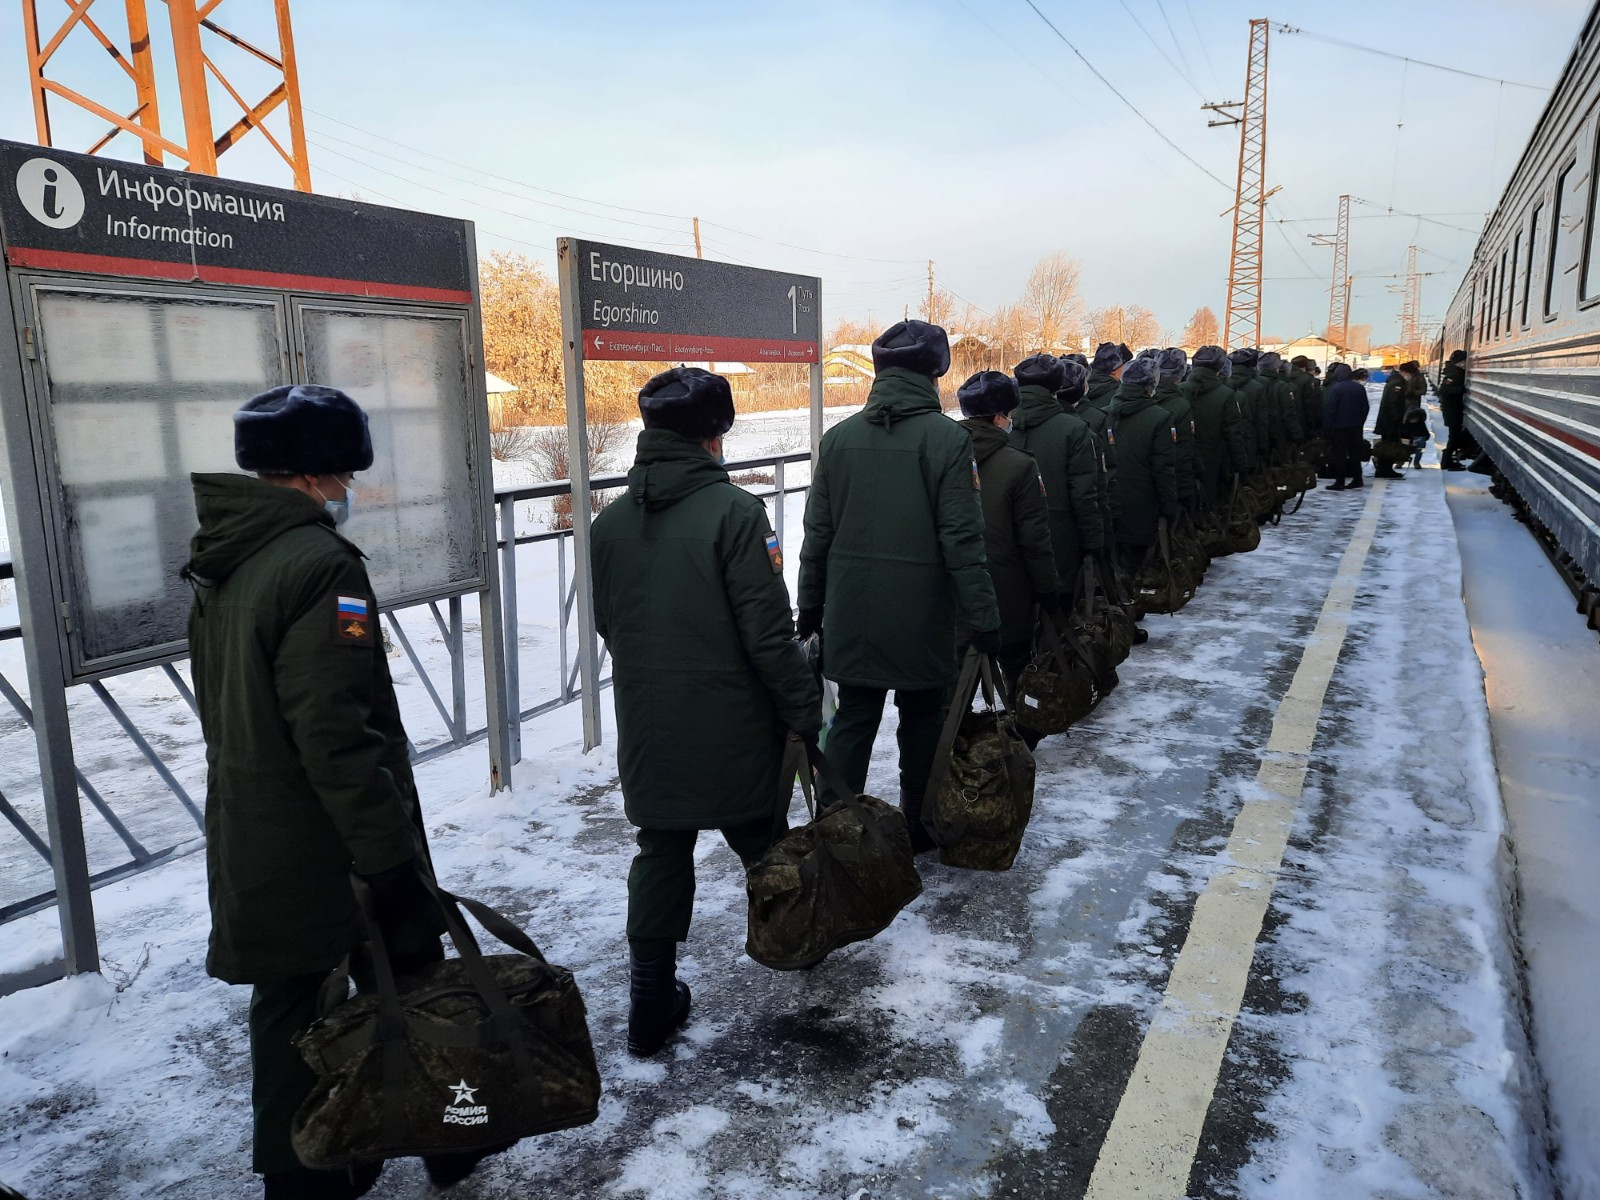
(1566,233)
(1533,252)
(1589,283)
(1499,289)
(1511,280)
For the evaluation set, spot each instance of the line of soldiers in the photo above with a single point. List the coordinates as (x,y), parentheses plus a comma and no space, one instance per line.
(922,536)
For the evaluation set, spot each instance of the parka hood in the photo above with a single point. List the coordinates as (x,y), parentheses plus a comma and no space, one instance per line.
(898,393)
(239,514)
(1339,372)
(667,467)
(1130,400)
(987,438)
(1038,406)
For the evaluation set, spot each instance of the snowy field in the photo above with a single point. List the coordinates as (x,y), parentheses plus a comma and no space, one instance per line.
(981,1045)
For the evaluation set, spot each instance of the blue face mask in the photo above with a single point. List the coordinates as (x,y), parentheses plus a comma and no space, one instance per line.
(340,510)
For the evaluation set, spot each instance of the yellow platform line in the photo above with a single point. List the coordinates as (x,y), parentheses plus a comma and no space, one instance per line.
(1149,1150)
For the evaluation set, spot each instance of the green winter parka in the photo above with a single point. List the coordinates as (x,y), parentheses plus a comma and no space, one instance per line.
(1101,390)
(708,679)
(1254,402)
(1147,482)
(1098,421)
(1452,392)
(1069,466)
(1185,461)
(894,548)
(1308,395)
(307,771)
(1221,437)
(1017,527)
(1391,407)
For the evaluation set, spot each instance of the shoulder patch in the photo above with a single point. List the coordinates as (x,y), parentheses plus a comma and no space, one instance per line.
(1173,430)
(1042,491)
(775,553)
(352,619)
(977,484)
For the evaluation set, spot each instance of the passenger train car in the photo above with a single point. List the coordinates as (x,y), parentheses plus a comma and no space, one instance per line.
(1528,314)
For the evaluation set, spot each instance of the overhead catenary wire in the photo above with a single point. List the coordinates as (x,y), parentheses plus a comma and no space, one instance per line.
(1161,50)
(1132,107)
(1297,31)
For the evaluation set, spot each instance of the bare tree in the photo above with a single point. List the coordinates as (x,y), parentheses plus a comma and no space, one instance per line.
(1132,324)
(943,310)
(1052,300)
(852,333)
(1202,329)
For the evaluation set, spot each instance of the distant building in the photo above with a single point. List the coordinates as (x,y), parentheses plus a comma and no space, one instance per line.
(498,389)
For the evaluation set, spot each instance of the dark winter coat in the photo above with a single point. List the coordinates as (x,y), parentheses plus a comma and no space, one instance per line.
(894,540)
(307,772)
(689,596)
(1222,440)
(1098,421)
(1186,462)
(1344,401)
(1391,406)
(1289,412)
(1308,397)
(1069,465)
(1016,527)
(1248,389)
(1416,389)
(1146,451)
(1100,390)
(1453,394)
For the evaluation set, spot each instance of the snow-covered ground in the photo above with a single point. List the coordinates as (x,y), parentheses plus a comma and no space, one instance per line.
(980,1046)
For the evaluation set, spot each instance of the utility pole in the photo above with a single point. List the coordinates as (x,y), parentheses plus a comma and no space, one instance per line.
(1241,323)
(1411,305)
(193,62)
(697,251)
(930,289)
(1339,291)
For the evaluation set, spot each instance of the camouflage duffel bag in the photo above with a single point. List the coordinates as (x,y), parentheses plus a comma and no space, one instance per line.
(1239,525)
(1163,583)
(1103,623)
(1187,544)
(476,1052)
(1057,689)
(1390,452)
(842,877)
(980,794)
(1213,534)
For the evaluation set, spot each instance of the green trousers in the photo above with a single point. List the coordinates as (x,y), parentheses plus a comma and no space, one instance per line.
(855,728)
(661,881)
(280,1080)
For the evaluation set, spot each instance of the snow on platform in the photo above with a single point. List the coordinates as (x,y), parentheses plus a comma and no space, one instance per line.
(980,1046)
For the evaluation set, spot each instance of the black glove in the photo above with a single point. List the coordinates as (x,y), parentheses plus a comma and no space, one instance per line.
(809,622)
(1049,601)
(986,641)
(407,913)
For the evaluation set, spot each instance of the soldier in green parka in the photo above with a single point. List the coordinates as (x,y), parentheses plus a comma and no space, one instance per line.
(708,679)
(1146,449)
(1386,425)
(1253,403)
(1068,461)
(1105,373)
(1172,363)
(308,777)
(1017,522)
(1222,439)
(1308,395)
(893,562)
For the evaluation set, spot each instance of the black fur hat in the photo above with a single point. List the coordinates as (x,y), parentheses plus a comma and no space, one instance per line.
(1074,380)
(1458,356)
(1270,362)
(1210,356)
(1173,361)
(916,346)
(1141,374)
(1244,357)
(688,401)
(1127,355)
(1081,359)
(1108,357)
(988,393)
(1041,370)
(301,429)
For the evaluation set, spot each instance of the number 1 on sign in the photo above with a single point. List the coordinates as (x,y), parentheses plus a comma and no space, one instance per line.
(794,311)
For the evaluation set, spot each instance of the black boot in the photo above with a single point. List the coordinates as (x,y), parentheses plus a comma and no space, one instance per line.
(1339,486)
(658,1003)
(447,1169)
(303,1183)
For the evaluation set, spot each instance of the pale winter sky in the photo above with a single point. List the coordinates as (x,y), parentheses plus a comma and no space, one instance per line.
(885,134)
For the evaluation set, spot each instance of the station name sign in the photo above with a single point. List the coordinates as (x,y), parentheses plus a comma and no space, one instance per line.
(643,306)
(74,212)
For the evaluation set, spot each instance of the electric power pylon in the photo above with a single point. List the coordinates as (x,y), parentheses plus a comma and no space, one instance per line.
(196,35)
(1411,305)
(1242,319)
(1339,292)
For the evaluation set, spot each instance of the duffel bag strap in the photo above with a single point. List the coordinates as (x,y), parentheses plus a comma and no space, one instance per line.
(815,762)
(960,705)
(391,1030)
(1055,634)
(794,767)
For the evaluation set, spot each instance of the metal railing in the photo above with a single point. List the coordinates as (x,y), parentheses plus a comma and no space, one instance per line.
(449,702)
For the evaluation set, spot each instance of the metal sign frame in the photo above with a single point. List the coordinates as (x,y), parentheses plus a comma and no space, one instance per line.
(676,345)
(30,478)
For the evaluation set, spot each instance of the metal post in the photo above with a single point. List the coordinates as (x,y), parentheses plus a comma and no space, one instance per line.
(513,634)
(561,614)
(777,512)
(816,410)
(458,671)
(44,651)
(499,713)
(578,469)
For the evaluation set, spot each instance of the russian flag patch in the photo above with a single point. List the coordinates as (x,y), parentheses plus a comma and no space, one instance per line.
(353,619)
(775,553)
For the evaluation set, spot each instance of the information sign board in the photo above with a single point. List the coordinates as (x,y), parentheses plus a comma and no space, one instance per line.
(644,306)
